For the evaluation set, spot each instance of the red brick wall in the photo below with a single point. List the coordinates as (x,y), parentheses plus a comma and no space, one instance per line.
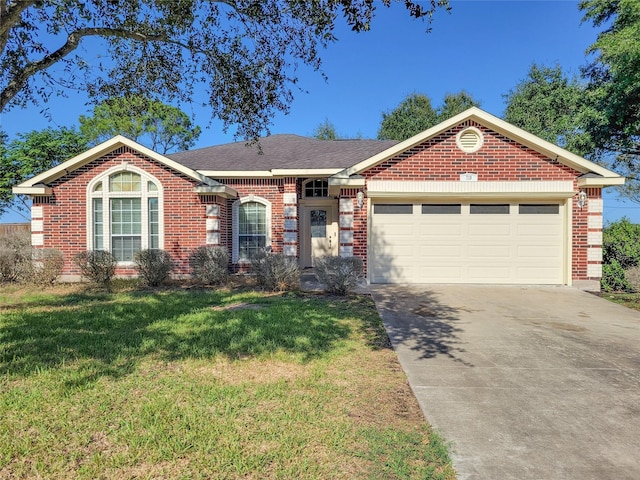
(270,189)
(65,214)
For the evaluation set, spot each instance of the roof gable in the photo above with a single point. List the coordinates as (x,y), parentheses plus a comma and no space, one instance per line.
(605,177)
(37,184)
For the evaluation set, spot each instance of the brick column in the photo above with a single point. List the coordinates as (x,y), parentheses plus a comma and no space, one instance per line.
(213,224)
(290,220)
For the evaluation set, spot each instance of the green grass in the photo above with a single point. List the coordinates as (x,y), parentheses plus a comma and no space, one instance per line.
(629,300)
(174,384)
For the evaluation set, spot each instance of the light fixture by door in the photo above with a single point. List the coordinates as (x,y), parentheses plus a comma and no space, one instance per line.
(582,198)
(360,198)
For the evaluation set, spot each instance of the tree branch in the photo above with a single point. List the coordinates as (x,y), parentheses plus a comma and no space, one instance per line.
(73,40)
(9,16)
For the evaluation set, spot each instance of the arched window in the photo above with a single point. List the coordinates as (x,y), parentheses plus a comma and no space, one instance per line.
(251,227)
(123,212)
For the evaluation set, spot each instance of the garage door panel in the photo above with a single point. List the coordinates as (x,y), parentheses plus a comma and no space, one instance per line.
(437,230)
(438,251)
(491,230)
(468,248)
(493,251)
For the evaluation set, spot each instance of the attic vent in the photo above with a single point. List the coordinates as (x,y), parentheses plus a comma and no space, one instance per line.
(469,140)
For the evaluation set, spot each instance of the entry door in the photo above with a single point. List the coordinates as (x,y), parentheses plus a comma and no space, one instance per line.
(321,233)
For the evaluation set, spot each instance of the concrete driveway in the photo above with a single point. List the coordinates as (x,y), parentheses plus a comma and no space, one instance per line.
(525,382)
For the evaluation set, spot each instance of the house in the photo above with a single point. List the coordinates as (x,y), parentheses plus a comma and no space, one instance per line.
(471,200)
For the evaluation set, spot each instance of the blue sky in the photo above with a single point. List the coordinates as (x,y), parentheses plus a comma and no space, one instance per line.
(483,47)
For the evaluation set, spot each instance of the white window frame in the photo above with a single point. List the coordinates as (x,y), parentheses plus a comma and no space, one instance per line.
(235,254)
(144,195)
(310,180)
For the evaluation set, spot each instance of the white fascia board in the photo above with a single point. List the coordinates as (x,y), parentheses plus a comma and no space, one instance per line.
(490,121)
(484,195)
(304,172)
(236,173)
(601,182)
(275,172)
(220,190)
(38,190)
(347,182)
(104,148)
(397,188)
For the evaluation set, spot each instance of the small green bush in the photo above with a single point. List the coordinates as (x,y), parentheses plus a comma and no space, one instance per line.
(153,266)
(276,271)
(209,264)
(99,266)
(46,266)
(15,256)
(340,275)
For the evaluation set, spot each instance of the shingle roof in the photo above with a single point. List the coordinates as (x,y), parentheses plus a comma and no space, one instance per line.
(282,151)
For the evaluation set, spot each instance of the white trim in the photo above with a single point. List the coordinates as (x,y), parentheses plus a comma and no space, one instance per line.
(235,244)
(275,172)
(600,181)
(106,196)
(30,186)
(498,125)
(400,188)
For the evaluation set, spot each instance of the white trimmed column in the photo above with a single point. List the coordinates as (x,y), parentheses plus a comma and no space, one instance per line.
(290,227)
(345,216)
(37,226)
(594,237)
(213,225)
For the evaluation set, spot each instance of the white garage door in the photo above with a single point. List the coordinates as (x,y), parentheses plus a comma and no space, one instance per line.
(508,243)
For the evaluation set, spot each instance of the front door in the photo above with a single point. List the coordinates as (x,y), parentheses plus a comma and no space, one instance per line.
(320,232)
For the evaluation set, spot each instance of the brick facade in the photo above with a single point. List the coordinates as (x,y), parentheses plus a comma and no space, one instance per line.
(190,220)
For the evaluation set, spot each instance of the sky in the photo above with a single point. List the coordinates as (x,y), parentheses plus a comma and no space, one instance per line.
(481,46)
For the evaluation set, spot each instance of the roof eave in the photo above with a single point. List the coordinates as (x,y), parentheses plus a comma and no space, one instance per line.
(601,182)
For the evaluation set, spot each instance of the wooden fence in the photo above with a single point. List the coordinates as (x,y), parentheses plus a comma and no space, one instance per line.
(7,228)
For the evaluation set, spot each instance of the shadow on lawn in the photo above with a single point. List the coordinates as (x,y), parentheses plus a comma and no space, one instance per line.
(107,335)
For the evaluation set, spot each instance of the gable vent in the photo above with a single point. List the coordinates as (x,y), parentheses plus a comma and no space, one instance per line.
(469,140)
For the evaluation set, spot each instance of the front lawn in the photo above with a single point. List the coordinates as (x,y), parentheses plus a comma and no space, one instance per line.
(629,300)
(204,384)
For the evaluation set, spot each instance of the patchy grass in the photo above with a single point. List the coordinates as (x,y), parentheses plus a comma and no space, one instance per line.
(629,300)
(204,384)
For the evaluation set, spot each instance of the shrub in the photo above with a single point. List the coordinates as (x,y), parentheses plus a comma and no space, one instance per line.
(209,264)
(15,256)
(340,275)
(153,266)
(620,251)
(276,271)
(632,276)
(99,266)
(46,266)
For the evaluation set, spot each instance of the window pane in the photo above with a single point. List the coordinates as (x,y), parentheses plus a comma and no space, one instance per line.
(154,228)
(98,239)
(548,209)
(124,182)
(392,209)
(318,223)
(152,187)
(252,219)
(126,226)
(489,209)
(248,245)
(123,248)
(440,209)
